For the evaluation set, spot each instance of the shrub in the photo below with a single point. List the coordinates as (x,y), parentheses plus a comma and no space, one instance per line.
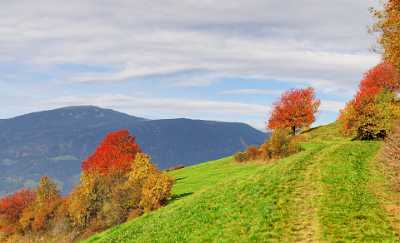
(266,151)
(156,191)
(11,208)
(241,157)
(280,145)
(153,186)
(372,119)
(253,152)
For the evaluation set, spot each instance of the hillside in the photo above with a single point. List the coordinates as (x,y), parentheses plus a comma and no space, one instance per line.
(55,142)
(335,190)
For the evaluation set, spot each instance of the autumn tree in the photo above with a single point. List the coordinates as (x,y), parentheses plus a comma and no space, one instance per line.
(371,113)
(295,109)
(87,199)
(115,154)
(40,214)
(153,186)
(388,26)
(383,77)
(117,181)
(11,208)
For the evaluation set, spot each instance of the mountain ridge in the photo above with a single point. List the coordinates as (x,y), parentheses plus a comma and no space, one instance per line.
(54,142)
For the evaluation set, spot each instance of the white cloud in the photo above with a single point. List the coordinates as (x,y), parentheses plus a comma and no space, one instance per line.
(252,92)
(137,104)
(308,39)
(331,105)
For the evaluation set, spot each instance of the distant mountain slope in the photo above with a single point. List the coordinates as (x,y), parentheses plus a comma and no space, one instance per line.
(55,142)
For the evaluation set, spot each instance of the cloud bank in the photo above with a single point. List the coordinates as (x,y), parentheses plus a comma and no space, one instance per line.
(186,44)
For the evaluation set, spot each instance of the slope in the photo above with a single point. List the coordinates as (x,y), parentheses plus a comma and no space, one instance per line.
(325,193)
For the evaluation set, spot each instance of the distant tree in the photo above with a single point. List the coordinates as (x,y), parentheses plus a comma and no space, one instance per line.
(41,213)
(47,191)
(388,25)
(11,208)
(295,109)
(115,154)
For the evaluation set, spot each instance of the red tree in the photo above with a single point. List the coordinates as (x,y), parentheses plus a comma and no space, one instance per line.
(370,113)
(11,208)
(383,77)
(115,153)
(294,110)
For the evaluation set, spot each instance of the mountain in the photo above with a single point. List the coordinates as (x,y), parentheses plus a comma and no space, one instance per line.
(55,142)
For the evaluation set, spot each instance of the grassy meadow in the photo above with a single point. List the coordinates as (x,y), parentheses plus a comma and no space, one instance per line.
(336,190)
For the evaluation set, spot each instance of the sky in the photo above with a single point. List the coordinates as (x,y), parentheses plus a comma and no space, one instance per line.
(224,60)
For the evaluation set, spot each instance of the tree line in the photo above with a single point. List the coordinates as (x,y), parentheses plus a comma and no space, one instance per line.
(118,182)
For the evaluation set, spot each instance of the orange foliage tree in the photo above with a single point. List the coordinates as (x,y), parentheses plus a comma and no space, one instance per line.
(371,113)
(295,109)
(383,77)
(118,181)
(388,26)
(115,154)
(11,208)
(41,213)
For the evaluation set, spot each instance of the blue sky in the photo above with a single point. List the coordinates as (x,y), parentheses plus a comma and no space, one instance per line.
(218,60)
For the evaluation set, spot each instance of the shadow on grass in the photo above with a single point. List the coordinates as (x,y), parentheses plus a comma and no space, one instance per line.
(179,196)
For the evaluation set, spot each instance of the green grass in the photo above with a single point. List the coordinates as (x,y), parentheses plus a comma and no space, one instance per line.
(321,194)
(196,178)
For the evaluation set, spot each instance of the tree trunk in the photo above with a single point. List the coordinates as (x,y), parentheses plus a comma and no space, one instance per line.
(294,130)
